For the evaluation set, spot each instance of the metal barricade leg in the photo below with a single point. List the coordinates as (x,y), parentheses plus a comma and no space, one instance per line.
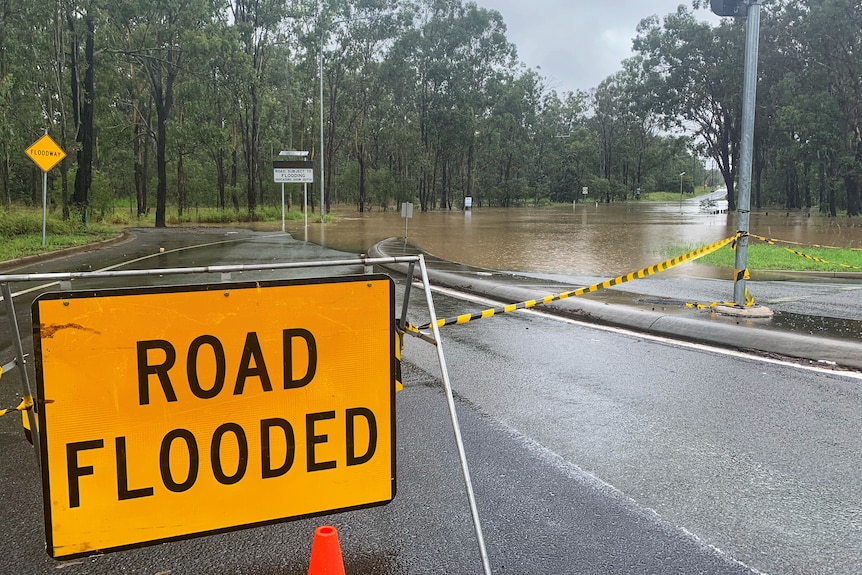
(450,399)
(18,346)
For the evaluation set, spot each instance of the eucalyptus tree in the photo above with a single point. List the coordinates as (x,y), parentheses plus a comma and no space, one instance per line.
(210,100)
(696,82)
(8,20)
(441,69)
(571,154)
(483,60)
(359,35)
(642,141)
(29,91)
(626,125)
(608,121)
(513,122)
(156,33)
(81,21)
(823,38)
(260,26)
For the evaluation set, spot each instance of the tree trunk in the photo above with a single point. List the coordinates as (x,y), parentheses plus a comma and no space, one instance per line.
(851,183)
(470,160)
(84,175)
(161,162)
(138,154)
(444,185)
(221,178)
(362,188)
(182,196)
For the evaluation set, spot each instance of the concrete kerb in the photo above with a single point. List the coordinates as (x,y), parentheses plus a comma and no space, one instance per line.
(702,329)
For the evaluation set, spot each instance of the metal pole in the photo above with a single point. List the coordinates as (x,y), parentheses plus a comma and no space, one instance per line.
(44,205)
(21,363)
(305,207)
(320,71)
(282,206)
(44,201)
(680,191)
(749,95)
(450,399)
(402,322)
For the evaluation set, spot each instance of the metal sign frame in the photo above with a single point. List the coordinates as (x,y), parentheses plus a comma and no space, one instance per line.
(64,280)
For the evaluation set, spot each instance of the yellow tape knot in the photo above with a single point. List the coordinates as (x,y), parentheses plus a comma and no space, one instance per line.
(26,403)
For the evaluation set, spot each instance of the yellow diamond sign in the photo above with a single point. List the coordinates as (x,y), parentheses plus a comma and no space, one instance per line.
(45,152)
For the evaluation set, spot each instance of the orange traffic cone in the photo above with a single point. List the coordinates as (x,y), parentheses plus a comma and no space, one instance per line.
(326,553)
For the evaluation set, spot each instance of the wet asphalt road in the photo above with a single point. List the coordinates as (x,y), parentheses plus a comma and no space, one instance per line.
(591,452)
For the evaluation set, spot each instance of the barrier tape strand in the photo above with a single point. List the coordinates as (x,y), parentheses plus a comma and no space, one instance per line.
(822,261)
(749,301)
(640,274)
(773,241)
(26,403)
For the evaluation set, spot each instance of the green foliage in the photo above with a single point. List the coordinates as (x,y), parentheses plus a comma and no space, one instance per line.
(21,233)
(427,95)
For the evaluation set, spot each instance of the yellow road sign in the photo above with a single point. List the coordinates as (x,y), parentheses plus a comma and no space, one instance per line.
(45,152)
(172,412)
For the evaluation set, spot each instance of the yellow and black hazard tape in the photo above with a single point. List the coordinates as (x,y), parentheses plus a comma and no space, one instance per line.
(22,408)
(640,274)
(822,261)
(773,241)
(749,301)
(26,403)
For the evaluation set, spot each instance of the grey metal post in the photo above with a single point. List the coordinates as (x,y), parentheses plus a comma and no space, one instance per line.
(320,72)
(402,321)
(44,203)
(749,96)
(21,364)
(456,428)
(44,206)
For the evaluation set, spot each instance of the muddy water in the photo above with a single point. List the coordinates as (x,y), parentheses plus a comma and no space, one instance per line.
(600,240)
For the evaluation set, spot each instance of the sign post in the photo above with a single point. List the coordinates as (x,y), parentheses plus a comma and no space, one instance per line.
(406,213)
(296,172)
(208,408)
(46,154)
(746,153)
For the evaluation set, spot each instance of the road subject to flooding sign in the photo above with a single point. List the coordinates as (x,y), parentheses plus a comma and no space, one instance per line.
(171,412)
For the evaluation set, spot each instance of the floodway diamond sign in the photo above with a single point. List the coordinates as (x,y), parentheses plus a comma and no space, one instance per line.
(46,153)
(171,412)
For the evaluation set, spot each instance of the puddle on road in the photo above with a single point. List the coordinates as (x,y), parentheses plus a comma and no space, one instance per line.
(817,325)
(782,321)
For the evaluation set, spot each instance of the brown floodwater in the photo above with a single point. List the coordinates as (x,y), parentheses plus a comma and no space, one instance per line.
(587,239)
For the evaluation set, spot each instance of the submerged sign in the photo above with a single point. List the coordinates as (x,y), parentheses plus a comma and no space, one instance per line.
(172,412)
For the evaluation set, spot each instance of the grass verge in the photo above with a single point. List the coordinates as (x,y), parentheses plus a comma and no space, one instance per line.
(21,227)
(21,233)
(777,257)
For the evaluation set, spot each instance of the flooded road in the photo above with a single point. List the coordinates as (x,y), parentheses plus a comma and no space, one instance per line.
(601,240)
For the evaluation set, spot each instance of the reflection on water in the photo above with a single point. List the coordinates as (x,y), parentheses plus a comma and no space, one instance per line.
(600,240)
(818,325)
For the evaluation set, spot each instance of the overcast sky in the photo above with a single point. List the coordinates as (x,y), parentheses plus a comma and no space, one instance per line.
(578,43)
